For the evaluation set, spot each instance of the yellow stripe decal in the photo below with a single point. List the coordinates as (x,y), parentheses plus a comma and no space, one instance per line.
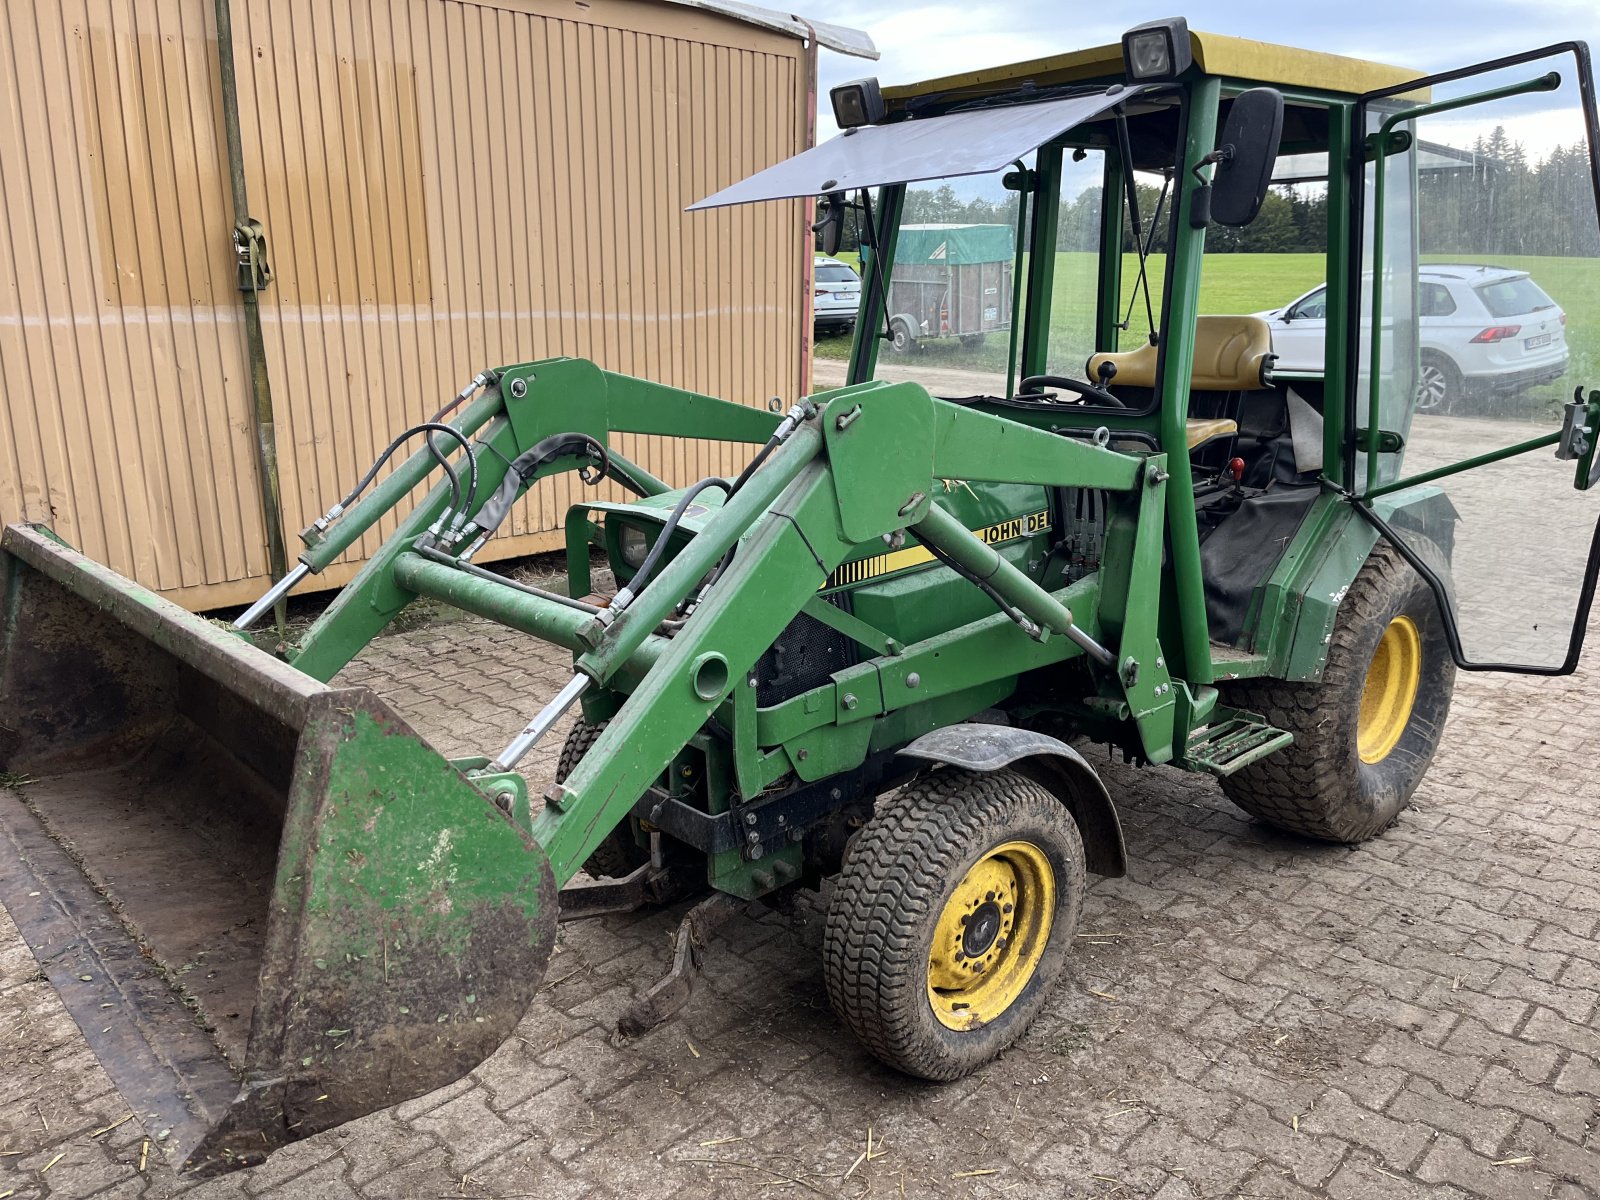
(863,569)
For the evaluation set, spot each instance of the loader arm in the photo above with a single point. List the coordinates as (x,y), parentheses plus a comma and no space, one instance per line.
(335,859)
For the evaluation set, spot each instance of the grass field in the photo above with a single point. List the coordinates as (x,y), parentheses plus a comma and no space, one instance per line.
(1245,283)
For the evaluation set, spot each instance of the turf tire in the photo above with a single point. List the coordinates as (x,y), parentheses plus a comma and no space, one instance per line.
(898,873)
(619,854)
(1319,787)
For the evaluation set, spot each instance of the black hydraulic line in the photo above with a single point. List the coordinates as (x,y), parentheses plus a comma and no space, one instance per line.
(983,585)
(653,559)
(425,427)
(526,465)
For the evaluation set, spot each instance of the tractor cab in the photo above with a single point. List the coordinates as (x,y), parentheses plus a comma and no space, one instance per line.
(1204,234)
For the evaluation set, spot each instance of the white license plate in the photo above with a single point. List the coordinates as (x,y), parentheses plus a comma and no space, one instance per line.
(1534,343)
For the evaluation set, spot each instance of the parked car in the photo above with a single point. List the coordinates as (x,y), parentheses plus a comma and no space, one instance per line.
(836,296)
(1484,329)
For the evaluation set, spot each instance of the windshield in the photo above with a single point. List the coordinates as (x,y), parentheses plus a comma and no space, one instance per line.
(835,273)
(950,292)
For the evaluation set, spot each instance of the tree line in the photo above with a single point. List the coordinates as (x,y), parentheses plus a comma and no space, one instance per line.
(1496,199)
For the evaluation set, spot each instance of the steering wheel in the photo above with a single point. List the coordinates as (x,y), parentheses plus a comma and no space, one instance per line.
(1087,390)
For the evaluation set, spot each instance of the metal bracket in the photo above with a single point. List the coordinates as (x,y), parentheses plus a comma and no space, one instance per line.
(1580,438)
(250,250)
(648,884)
(672,991)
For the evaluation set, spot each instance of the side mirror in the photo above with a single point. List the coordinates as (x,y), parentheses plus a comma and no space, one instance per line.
(831,223)
(1249,147)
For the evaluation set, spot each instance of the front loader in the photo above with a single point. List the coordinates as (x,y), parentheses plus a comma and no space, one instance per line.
(874,654)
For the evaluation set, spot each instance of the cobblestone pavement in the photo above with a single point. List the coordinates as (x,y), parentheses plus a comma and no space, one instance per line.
(1246,1014)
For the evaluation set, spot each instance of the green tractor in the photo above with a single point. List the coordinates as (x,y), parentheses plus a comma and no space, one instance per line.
(877,653)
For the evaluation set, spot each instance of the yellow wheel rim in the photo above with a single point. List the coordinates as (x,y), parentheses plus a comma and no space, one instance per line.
(991,935)
(1390,692)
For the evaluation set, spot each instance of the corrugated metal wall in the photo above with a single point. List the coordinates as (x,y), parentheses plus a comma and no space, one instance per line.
(444,185)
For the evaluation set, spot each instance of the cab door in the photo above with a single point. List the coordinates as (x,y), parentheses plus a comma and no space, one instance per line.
(1470,440)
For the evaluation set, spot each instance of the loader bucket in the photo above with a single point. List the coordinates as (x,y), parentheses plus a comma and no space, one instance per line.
(269,904)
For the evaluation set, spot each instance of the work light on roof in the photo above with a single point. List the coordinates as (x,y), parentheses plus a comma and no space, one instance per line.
(1156,51)
(857,103)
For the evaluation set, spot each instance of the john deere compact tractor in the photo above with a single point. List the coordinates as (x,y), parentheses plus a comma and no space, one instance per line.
(872,655)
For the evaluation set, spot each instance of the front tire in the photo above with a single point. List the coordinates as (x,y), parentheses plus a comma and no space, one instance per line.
(951,920)
(619,854)
(1365,733)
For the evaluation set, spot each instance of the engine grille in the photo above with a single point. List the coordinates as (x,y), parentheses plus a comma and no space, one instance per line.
(804,656)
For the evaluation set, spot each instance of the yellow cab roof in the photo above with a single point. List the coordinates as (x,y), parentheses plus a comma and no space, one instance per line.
(1214,54)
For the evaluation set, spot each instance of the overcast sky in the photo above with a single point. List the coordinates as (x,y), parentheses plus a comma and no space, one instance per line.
(922,40)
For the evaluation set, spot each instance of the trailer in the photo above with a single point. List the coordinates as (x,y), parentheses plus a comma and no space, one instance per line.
(950,281)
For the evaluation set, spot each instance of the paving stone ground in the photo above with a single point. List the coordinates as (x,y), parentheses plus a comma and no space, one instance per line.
(1246,1015)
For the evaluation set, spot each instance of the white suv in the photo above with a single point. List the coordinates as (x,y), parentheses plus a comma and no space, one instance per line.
(1483,329)
(836,295)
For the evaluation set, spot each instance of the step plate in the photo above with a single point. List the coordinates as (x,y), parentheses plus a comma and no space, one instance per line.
(1227,747)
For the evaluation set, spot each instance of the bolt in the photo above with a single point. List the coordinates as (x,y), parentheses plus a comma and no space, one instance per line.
(850,702)
(504,800)
(751,681)
(519,388)
(988,897)
(803,755)
(913,680)
(1161,662)
(797,835)
(749,818)
(1007,908)
(1000,943)
(753,838)
(835,794)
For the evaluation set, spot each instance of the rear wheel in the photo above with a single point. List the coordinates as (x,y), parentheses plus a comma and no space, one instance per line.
(951,920)
(901,336)
(1365,733)
(1439,384)
(619,854)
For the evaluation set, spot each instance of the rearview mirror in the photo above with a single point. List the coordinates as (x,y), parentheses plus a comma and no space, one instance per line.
(1249,147)
(831,223)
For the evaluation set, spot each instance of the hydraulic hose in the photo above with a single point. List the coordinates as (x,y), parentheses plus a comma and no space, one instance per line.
(647,568)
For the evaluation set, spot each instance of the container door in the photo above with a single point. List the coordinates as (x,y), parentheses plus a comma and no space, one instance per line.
(1475,305)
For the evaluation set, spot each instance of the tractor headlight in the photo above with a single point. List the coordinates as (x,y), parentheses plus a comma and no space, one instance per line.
(631,544)
(1156,51)
(857,103)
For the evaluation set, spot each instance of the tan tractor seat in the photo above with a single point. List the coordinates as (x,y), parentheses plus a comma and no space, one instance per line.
(1231,354)
(1199,431)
